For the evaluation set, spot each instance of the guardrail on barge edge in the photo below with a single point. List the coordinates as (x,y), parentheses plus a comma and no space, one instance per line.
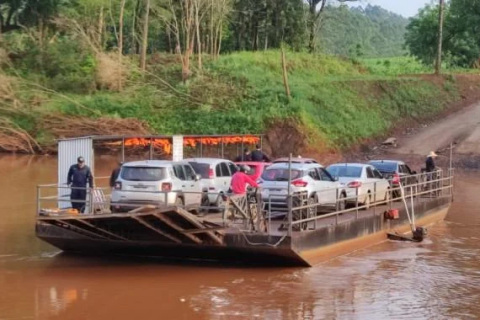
(299,216)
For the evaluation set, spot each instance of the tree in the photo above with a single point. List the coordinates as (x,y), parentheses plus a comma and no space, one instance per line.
(17,13)
(143,52)
(461,35)
(314,17)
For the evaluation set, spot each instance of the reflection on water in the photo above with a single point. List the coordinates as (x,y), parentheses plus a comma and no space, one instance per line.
(439,278)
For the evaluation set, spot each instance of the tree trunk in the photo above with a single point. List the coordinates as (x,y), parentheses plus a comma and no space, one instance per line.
(100,29)
(219,39)
(285,75)
(120,44)
(438,65)
(143,53)
(199,40)
(311,30)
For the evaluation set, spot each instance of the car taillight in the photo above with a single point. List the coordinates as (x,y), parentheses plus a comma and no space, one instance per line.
(166,187)
(211,174)
(118,185)
(396,179)
(354,184)
(299,183)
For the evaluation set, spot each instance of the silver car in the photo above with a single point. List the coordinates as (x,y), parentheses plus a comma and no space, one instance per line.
(156,182)
(363,180)
(216,177)
(312,178)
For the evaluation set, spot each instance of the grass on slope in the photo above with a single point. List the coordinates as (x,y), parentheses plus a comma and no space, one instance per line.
(338,101)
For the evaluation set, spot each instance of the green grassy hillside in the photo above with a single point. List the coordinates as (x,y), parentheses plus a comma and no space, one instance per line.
(335,103)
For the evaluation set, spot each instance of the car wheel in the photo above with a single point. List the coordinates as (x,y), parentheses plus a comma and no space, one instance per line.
(179,202)
(387,196)
(219,203)
(367,202)
(342,203)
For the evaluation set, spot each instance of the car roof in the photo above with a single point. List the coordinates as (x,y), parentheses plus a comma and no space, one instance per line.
(387,161)
(359,165)
(254,163)
(295,166)
(207,160)
(295,160)
(150,163)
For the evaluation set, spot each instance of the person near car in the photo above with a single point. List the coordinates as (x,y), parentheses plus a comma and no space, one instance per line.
(78,177)
(115,173)
(430,168)
(240,180)
(258,155)
(246,156)
(430,162)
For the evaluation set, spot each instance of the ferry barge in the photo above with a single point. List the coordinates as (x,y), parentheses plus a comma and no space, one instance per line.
(240,231)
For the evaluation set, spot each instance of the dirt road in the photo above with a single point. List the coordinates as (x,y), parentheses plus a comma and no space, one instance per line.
(462,127)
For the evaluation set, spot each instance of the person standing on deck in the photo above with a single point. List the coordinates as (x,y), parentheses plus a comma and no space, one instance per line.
(115,174)
(240,180)
(78,177)
(246,156)
(259,156)
(430,168)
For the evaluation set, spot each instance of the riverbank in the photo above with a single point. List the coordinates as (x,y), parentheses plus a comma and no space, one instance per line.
(335,104)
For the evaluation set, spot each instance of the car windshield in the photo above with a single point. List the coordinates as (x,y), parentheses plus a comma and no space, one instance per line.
(345,171)
(201,169)
(385,166)
(143,173)
(280,174)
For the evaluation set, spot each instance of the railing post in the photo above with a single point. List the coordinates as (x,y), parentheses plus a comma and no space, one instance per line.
(269,213)
(356,201)
(336,208)
(375,197)
(290,214)
(38,200)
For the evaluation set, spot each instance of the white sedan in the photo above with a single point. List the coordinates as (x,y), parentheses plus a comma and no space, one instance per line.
(364,179)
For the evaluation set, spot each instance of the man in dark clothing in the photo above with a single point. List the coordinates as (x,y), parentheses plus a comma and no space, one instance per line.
(430,163)
(115,174)
(78,177)
(244,157)
(259,156)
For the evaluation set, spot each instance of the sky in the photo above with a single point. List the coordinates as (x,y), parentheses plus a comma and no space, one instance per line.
(407,8)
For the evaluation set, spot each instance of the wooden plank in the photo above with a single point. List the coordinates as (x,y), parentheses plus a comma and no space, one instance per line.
(160,232)
(174,226)
(78,228)
(236,205)
(139,209)
(103,230)
(193,220)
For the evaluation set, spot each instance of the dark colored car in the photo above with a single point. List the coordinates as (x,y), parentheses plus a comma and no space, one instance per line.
(396,171)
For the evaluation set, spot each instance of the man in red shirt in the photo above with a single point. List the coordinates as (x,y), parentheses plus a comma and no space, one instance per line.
(240,180)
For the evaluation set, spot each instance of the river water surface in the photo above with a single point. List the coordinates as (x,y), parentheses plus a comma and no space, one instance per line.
(437,279)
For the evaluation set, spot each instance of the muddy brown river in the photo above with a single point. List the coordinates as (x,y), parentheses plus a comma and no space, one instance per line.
(437,279)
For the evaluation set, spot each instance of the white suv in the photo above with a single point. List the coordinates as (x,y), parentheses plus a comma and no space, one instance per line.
(312,178)
(156,182)
(216,176)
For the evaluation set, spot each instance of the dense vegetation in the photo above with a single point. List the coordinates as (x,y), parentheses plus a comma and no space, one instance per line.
(362,32)
(461,41)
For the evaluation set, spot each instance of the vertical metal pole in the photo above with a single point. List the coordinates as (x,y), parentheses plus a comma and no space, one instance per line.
(290,202)
(336,208)
(123,149)
(269,214)
(356,201)
(261,142)
(38,201)
(223,150)
(201,147)
(151,149)
(375,197)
